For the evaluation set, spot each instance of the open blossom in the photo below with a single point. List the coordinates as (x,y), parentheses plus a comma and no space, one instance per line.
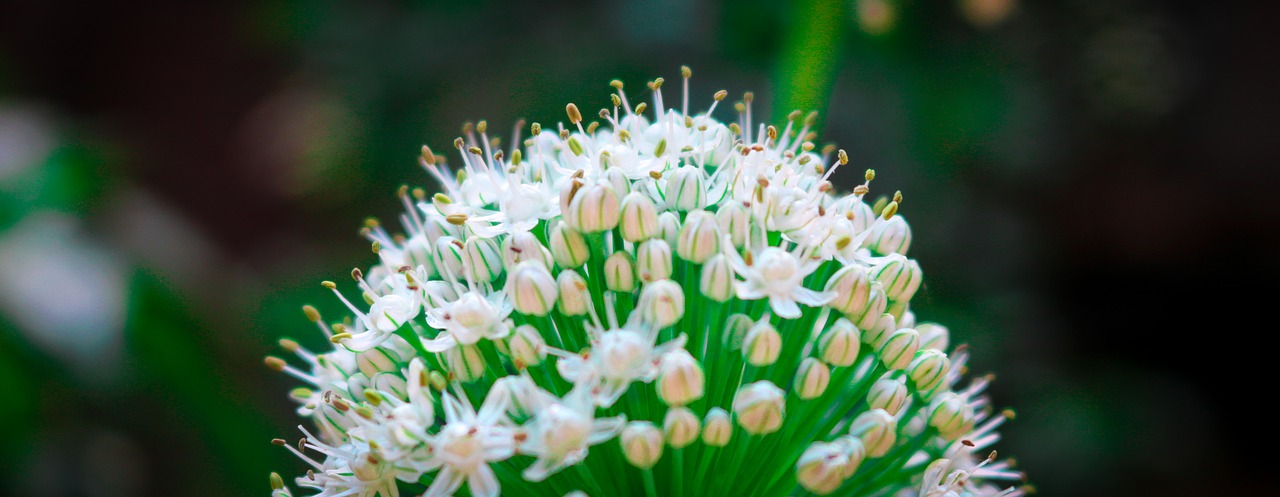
(647,302)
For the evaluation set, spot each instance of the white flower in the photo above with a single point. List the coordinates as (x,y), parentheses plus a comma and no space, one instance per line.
(471,318)
(562,430)
(617,358)
(778,276)
(468,443)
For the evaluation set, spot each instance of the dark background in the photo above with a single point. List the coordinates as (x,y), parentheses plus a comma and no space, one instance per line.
(1091,185)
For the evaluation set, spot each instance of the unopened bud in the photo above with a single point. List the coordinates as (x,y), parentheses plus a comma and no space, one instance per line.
(686,190)
(699,238)
(639,218)
(573,295)
(717,279)
(933,336)
(680,378)
(523,246)
(735,221)
(484,259)
(669,228)
(762,344)
(877,303)
(526,346)
(854,453)
(465,362)
(620,272)
(760,407)
(900,276)
(661,303)
(812,378)
(595,208)
(890,237)
(532,289)
(568,246)
(950,415)
(642,444)
(877,429)
(852,285)
(821,468)
(716,428)
(887,393)
(653,260)
(899,349)
(839,345)
(681,426)
(928,368)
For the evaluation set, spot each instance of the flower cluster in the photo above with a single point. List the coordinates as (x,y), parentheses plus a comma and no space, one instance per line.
(640,305)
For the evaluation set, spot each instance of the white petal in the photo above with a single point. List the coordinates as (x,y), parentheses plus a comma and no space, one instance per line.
(785,308)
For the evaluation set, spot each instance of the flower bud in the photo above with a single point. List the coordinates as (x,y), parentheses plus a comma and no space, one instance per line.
(699,238)
(661,303)
(619,181)
(573,293)
(595,208)
(890,237)
(568,246)
(812,378)
(716,428)
(642,444)
(934,336)
(532,289)
(821,468)
(900,276)
(526,346)
(887,393)
(906,318)
(669,227)
(717,279)
(392,383)
(686,190)
(620,272)
(639,218)
(734,220)
(877,303)
(928,369)
(897,351)
(950,415)
(524,246)
(839,345)
(356,385)
(760,407)
(484,259)
(465,362)
(653,260)
(879,332)
(681,426)
(378,360)
(854,453)
(852,286)
(417,253)
(448,257)
(877,429)
(762,344)
(680,378)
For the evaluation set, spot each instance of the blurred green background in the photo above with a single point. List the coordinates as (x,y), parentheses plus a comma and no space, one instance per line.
(1083,178)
